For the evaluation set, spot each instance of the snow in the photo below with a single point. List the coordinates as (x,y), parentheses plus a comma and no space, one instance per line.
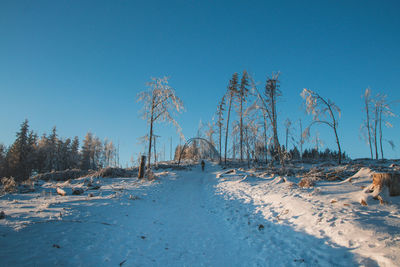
(188,217)
(330,211)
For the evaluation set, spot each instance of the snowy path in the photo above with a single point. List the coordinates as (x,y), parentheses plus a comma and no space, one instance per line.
(179,221)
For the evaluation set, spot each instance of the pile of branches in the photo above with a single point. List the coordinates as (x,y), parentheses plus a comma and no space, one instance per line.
(77,173)
(111,172)
(61,175)
(318,174)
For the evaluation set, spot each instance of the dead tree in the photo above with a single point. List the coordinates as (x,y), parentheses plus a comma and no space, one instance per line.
(319,107)
(301,140)
(367,101)
(288,130)
(381,107)
(261,105)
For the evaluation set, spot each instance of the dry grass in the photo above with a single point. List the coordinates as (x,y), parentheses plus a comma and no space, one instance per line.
(306,182)
(9,185)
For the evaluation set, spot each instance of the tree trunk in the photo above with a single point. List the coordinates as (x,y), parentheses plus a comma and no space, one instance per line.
(375,130)
(301,140)
(287,133)
(142,166)
(150,135)
(274,125)
(220,143)
(368,127)
(241,128)
(380,132)
(265,139)
(338,144)
(155,151)
(227,126)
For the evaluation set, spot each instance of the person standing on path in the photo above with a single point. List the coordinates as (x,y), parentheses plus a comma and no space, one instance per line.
(202,165)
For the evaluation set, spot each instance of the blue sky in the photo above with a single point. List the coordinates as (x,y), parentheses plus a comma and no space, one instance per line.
(79,64)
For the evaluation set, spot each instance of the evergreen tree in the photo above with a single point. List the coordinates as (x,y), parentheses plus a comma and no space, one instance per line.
(75,156)
(87,151)
(17,156)
(51,151)
(3,162)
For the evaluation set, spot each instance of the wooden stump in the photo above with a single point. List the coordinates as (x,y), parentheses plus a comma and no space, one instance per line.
(142,167)
(61,192)
(390,180)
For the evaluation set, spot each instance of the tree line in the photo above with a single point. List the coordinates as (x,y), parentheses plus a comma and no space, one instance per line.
(253,133)
(30,154)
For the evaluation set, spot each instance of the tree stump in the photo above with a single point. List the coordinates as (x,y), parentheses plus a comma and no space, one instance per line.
(61,192)
(142,167)
(390,180)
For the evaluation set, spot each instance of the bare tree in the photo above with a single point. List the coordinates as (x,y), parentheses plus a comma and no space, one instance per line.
(250,129)
(367,101)
(317,142)
(321,108)
(232,91)
(159,104)
(302,139)
(288,130)
(261,105)
(210,133)
(381,107)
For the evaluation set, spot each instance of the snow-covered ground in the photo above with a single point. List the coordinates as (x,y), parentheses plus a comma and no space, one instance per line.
(195,218)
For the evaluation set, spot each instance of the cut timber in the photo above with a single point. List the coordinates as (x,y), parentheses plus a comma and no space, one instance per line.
(61,192)
(390,180)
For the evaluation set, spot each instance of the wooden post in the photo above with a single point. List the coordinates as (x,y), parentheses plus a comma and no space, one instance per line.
(142,166)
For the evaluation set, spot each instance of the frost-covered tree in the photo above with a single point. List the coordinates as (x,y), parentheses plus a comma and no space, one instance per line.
(242,98)
(272,92)
(160,103)
(318,143)
(210,133)
(261,105)
(323,112)
(367,123)
(301,139)
(381,108)
(220,125)
(267,103)
(288,132)
(231,93)
(109,153)
(235,145)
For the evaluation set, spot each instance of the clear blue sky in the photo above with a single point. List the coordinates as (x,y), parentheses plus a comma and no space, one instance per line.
(79,64)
